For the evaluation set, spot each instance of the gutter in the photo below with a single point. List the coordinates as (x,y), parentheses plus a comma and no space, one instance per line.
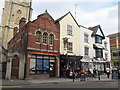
(26,53)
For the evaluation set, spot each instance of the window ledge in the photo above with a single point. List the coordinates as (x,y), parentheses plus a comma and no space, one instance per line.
(70,34)
(69,51)
(37,42)
(45,44)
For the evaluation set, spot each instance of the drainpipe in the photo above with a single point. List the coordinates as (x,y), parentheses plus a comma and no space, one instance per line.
(25,69)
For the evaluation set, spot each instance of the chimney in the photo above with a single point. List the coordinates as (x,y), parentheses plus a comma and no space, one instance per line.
(22,23)
(15,31)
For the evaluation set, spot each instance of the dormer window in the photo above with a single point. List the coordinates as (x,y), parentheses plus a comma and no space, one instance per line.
(98,39)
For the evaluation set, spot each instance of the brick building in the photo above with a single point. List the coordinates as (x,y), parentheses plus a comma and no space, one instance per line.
(34,49)
(115,49)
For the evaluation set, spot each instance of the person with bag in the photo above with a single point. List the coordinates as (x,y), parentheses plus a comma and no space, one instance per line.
(108,72)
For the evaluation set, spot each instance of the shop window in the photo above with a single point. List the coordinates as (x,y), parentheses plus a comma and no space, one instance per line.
(45,36)
(98,39)
(51,39)
(39,66)
(85,38)
(32,66)
(38,36)
(86,51)
(69,30)
(70,47)
(99,53)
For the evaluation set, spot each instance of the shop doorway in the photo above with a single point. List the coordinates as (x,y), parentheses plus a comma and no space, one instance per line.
(15,67)
(52,69)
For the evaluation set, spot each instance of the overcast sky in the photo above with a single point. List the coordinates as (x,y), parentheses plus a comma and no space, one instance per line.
(88,12)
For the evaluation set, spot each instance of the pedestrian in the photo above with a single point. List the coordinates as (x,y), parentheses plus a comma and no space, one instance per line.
(73,75)
(94,72)
(108,72)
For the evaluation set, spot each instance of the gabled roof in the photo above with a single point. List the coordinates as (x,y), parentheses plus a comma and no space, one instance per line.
(95,29)
(59,19)
(46,12)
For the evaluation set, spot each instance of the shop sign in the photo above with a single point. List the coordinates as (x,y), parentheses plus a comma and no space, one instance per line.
(43,53)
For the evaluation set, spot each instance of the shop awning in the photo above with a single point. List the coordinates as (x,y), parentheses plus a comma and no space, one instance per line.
(98,60)
(86,60)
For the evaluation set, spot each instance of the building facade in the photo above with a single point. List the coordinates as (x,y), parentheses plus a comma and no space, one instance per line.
(34,50)
(69,44)
(115,49)
(94,48)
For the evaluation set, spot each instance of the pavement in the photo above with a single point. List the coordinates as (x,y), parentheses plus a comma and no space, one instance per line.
(103,78)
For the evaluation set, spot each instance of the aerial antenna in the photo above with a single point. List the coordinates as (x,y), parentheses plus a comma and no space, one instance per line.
(75,10)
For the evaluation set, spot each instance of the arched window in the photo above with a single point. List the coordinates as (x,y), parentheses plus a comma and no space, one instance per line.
(45,36)
(51,39)
(38,36)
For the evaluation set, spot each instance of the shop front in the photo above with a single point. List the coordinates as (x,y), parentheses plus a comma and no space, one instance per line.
(43,64)
(69,63)
(86,64)
(99,64)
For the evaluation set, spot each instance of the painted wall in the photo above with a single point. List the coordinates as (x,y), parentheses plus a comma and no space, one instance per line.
(107,51)
(83,43)
(75,38)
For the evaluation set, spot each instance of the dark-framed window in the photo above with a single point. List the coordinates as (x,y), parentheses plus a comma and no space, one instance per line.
(45,37)
(115,54)
(51,39)
(98,39)
(38,36)
(85,38)
(99,53)
(70,47)
(86,51)
(69,30)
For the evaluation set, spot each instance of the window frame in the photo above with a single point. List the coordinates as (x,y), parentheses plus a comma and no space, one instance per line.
(69,30)
(86,53)
(86,39)
(38,38)
(51,39)
(96,39)
(45,38)
(70,47)
(37,70)
(98,55)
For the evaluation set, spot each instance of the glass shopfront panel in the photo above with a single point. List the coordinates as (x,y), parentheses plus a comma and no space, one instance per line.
(41,64)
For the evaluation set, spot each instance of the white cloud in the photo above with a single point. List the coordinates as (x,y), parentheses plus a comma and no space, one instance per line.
(106,17)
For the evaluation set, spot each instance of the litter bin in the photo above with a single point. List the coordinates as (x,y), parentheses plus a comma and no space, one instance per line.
(115,73)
